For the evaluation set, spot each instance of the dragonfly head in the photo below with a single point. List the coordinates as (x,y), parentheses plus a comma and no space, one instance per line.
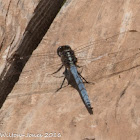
(61,49)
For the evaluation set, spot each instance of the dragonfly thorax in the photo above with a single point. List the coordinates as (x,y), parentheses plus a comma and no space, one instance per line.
(67,55)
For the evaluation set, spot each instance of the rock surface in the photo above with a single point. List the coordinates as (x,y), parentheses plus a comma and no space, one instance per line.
(104,33)
(24,44)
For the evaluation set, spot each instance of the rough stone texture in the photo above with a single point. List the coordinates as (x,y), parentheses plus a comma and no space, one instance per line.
(14,17)
(33,107)
(41,19)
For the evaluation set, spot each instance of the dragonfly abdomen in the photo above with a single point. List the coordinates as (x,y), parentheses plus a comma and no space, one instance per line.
(81,86)
(69,60)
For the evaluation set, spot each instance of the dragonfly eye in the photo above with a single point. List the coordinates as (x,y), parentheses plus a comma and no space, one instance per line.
(62,48)
(67,47)
(59,50)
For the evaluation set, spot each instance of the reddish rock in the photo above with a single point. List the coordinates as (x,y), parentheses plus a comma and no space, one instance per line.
(109,31)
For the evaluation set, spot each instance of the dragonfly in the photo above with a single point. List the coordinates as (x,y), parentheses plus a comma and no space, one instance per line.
(88,54)
(69,61)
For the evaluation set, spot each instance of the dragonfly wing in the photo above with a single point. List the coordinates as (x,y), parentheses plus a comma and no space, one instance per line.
(86,53)
(90,53)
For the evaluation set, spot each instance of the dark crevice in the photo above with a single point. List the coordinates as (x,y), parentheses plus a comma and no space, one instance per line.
(117,73)
(121,95)
(2,43)
(4,38)
(133,31)
(7,11)
(18,2)
(123,92)
(43,16)
(10,49)
(89,139)
(113,74)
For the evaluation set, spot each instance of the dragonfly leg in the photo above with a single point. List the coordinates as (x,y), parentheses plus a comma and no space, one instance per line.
(85,79)
(81,70)
(57,70)
(61,84)
(78,66)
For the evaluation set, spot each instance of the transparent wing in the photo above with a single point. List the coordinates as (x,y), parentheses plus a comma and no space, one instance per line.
(85,53)
(106,63)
